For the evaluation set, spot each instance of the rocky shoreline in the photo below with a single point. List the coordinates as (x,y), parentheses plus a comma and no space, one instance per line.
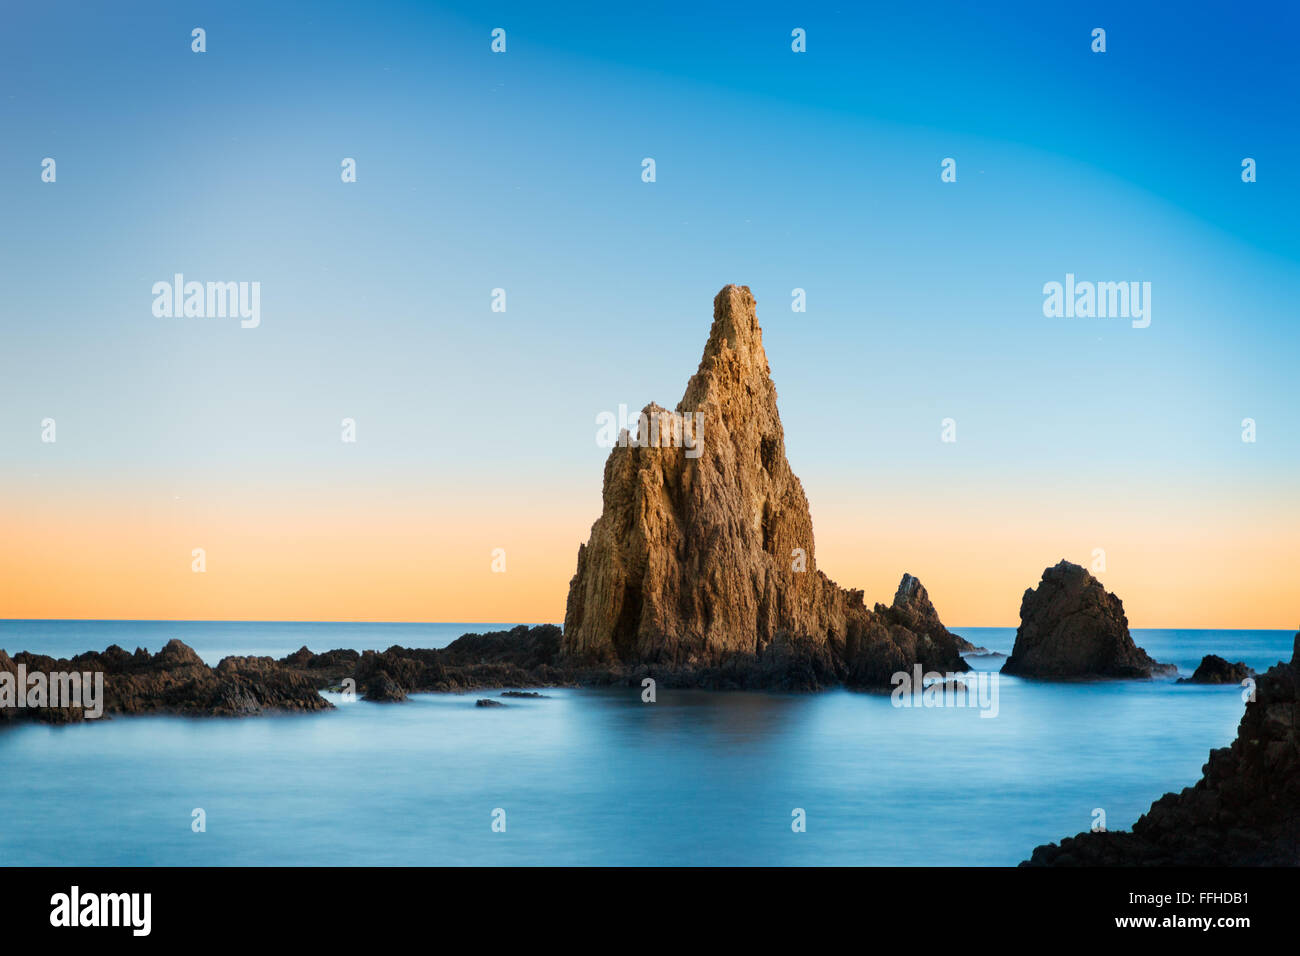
(1244,811)
(177,681)
(173,681)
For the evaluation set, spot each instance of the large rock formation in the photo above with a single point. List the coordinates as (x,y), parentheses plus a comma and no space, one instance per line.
(1071,626)
(704,550)
(1245,809)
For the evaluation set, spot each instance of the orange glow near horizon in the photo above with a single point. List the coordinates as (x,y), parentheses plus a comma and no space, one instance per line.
(410,556)
(1225,572)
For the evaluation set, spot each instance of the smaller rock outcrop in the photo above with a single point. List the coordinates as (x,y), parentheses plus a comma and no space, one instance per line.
(913,610)
(488,702)
(1072,627)
(885,641)
(1213,669)
(173,681)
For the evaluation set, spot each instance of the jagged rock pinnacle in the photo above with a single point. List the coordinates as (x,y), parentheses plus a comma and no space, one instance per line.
(703,554)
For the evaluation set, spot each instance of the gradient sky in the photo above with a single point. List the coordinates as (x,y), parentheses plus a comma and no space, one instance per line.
(476,430)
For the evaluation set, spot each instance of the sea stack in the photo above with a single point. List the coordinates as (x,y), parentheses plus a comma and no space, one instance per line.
(704,550)
(1072,627)
(1244,811)
(1213,669)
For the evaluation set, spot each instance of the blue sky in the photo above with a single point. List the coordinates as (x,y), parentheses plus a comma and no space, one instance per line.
(774,169)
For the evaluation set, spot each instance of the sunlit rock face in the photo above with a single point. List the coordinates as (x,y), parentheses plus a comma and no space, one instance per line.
(704,549)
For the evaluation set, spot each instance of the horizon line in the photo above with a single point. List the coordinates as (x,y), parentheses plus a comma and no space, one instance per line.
(171,620)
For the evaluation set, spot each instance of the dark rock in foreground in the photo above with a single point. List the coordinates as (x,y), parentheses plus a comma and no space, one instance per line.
(1213,669)
(173,681)
(1244,811)
(488,702)
(1072,627)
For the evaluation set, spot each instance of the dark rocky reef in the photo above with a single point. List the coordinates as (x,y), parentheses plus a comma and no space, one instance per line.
(173,681)
(1213,669)
(1072,627)
(702,561)
(532,657)
(176,681)
(1244,811)
(521,657)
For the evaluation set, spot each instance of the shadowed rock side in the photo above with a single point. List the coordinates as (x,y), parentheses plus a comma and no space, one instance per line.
(173,681)
(1072,627)
(703,557)
(531,657)
(1244,811)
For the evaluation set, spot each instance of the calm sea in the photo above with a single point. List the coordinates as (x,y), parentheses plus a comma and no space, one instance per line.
(597,776)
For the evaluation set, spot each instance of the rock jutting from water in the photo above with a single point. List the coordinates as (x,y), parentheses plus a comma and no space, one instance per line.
(173,681)
(703,554)
(1072,627)
(1214,669)
(1244,811)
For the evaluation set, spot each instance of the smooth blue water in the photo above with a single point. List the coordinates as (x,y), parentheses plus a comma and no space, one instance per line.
(596,776)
